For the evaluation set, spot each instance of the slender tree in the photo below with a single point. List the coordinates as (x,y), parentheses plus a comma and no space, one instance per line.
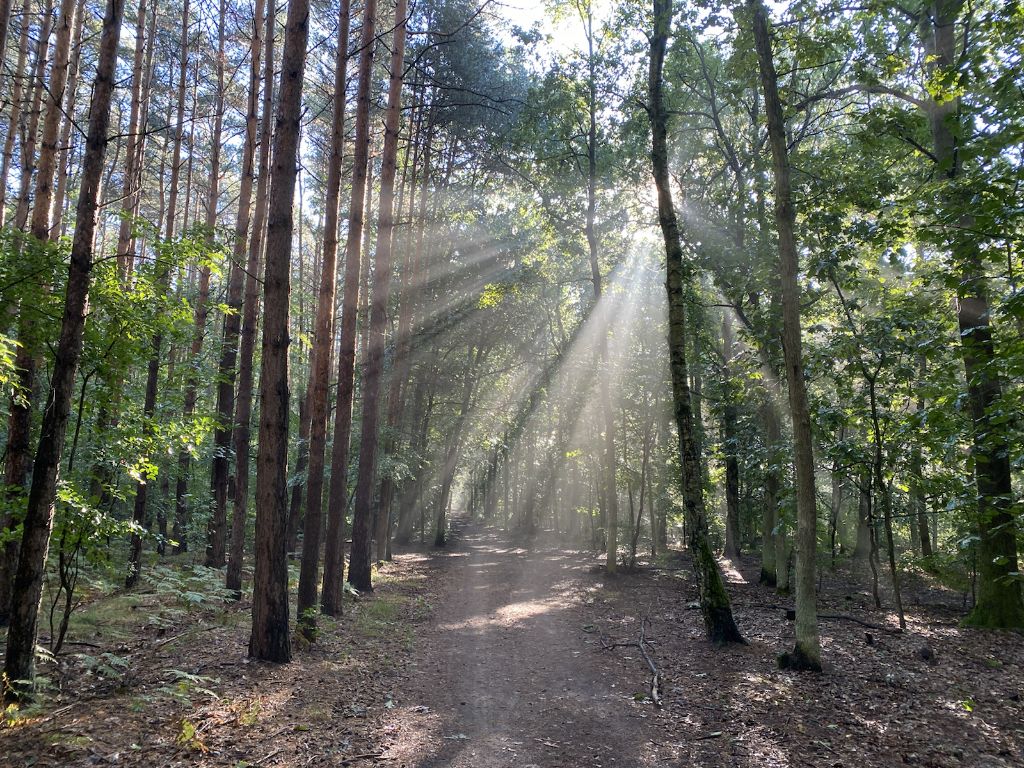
(163,278)
(807,653)
(330,600)
(250,319)
(19,661)
(714,600)
(270,639)
(220,467)
(360,570)
(323,344)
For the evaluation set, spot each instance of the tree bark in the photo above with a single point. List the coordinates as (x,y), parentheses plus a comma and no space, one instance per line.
(19,662)
(714,600)
(129,187)
(250,321)
(46,166)
(360,564)
(807,653)
(17,102)
(270,639)
(216,535)
(769,514)
(330,598)
(162,279)
(323,342)
(730,440)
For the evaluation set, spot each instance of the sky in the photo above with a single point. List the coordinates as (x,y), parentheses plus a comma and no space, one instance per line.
(564,36)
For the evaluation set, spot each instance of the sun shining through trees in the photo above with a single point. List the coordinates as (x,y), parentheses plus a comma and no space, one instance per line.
(531,382)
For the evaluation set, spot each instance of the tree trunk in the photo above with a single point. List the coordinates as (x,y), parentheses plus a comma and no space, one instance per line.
(999,602)
(730,440)
(323,345)
(807,653)
(59,220)
(770,511)
(46,166)
(337,499)
(129,188)
(610,505)
(162,279)
(31,127)
(301,460)
(19,663)
(18,459)
(270,639)
(250,320)
(17,99)
(714,600)
(216,536)
(360,571)
(182,514)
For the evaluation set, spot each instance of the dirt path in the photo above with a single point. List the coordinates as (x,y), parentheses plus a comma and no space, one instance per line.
(489,655)
(510,674)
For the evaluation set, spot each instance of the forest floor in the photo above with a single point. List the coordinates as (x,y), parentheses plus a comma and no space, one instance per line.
(489,653)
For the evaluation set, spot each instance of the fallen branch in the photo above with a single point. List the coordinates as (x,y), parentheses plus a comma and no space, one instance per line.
(267,757)
(641,645)
(791,616)
(855,620)
(366,756)
(713,735)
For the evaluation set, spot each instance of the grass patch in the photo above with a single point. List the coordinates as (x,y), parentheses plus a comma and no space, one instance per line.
(385,615)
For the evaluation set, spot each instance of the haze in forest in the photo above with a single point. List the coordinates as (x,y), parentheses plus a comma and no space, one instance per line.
(467,383)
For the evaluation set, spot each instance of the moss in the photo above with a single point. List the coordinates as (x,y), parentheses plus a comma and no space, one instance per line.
(714,600)
(1004,613)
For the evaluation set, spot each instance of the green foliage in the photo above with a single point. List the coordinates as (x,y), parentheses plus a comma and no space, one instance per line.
(194,587)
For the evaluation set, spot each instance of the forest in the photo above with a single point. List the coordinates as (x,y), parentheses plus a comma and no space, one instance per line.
(512,383)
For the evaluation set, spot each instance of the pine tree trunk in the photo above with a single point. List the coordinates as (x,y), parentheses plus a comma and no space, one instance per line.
(323,343)
(270,639)
(30,133)
(337,500)
(19,664)
(400,369)
(163,278)
(46,166)
(360,570)
(220,469)
(214,557)
(18,458)
(129,189)
(250,320)
(17,103)
(57,228)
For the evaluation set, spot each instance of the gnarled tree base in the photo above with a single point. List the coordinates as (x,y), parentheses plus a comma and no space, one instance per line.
(1002,614)
(798,661)
(715,605)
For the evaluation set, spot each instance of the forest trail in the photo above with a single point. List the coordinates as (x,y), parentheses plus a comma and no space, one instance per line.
(509,673)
